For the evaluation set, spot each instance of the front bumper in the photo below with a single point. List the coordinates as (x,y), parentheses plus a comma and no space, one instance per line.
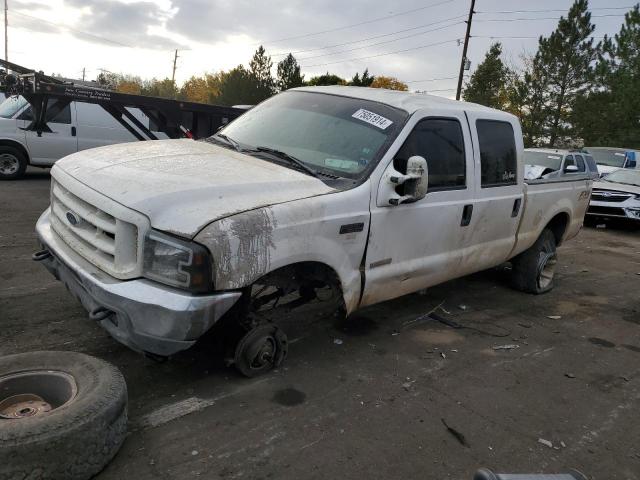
(629,209)
(144,315)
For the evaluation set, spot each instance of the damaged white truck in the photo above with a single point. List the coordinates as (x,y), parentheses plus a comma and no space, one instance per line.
(349,195)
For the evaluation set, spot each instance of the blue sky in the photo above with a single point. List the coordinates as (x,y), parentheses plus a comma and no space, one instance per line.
(138,37)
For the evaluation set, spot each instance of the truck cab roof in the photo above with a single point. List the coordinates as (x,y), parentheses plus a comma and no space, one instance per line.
(409,102)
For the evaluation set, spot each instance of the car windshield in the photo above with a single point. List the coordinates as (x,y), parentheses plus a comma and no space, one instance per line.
(342,135)
(543,159)
(11,106)
(628,177)
(613,157)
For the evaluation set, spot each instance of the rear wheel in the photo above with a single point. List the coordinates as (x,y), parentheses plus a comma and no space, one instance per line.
(534,270)
(12,163)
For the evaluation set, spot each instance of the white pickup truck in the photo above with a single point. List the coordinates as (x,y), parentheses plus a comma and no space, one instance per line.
(343,194)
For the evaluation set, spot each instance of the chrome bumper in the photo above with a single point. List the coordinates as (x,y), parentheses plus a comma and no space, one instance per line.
(142,314)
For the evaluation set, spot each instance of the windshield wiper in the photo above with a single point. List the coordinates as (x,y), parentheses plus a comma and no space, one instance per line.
(289,158)
(228,140)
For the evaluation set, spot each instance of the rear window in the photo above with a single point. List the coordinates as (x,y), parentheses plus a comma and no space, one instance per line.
(498,159)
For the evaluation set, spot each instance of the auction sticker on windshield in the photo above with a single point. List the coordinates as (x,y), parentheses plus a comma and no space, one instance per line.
(372,118)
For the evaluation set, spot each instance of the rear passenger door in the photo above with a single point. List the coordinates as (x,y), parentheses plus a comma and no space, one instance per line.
(499,197)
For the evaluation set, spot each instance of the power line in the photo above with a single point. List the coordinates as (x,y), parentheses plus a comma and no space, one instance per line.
(538,18)
(457,17)
(406,12)
(120,44)
(381,43)
(381,54)
(554,10)
(433,79)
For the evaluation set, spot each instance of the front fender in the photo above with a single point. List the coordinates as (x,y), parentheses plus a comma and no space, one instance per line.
(248,245)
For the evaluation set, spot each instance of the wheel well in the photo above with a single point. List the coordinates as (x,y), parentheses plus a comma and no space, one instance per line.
(17,145)
(558,225)
(300,273)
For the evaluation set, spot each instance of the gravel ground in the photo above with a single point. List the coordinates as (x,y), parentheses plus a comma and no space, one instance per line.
(393,397)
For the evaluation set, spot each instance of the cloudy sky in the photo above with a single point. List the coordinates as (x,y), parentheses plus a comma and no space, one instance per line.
(414,40)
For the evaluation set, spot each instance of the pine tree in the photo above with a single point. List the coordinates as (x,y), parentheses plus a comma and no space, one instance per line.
(289,74)
(260,70)
(488,84)
(563,66)
(610,115)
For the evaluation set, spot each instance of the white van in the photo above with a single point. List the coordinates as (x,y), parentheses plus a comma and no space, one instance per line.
(77,127)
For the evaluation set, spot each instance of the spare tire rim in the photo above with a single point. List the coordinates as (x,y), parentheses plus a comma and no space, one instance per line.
(35,393)
(546,269)
(9,164)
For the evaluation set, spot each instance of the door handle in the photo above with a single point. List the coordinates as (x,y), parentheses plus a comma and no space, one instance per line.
(467,211)
(73,131)
(516,207)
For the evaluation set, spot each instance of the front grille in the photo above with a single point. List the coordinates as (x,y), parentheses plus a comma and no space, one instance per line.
(610,196)
(101,238)
(606,211)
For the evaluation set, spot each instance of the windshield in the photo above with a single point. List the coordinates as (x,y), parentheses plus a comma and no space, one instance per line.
(341,135)
(11,106)
(613,157)
(628,177)
(549,160)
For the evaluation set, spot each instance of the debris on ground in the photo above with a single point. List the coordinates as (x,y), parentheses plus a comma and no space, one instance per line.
(456,434)
(526,325)
(194,452)
(546,443)
(407,385)
(506,347)
(463,307)
(443,355)
(563,445)
(554,317)
(337,341)
(569,375)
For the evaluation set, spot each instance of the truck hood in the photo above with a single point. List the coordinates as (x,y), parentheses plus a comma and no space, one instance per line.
(618,187)
(183,185)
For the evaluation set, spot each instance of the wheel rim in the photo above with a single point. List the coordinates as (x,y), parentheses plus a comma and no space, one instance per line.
(9,164)
(262,353)
(35,393)
(546,269)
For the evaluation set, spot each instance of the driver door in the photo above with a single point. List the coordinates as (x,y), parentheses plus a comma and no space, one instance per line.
(415,245)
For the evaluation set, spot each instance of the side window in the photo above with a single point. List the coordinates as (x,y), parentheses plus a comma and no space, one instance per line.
(440,142)
(63,116)
(580,163)
(569,160)
(498,158)
(591,163)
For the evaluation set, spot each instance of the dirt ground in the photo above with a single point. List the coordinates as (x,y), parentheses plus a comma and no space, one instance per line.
(372,397)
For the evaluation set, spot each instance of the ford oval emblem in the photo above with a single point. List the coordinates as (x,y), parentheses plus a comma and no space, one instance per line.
(73,218)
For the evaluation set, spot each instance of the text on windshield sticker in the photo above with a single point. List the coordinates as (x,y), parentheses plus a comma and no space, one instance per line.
(372,118)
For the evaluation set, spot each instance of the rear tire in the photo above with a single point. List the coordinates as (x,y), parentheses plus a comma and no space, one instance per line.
(13,163)
(534,269)
(65,415)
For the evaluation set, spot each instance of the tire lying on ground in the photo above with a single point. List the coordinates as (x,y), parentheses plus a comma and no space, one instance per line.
(63,415)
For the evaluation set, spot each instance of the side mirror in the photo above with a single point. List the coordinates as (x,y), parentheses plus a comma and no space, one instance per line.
(415,182)
(571,169)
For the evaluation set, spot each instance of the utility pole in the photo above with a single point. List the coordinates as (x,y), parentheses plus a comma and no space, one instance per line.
(6,33)
(83,73)
(175,59)
(464,49)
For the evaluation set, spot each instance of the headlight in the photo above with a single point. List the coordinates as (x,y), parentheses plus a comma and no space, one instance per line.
(177,262)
